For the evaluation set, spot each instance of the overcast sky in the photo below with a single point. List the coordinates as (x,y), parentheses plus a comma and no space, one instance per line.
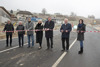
(80,7)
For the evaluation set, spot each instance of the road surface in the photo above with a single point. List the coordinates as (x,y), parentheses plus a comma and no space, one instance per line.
(32,57)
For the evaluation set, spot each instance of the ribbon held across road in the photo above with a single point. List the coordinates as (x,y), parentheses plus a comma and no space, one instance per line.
(46,30)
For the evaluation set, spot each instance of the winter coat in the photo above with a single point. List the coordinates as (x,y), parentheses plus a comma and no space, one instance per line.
(49,25)
(9,29)
(29,26)
(20,29)
(80,35)
(65,27)
(39,33)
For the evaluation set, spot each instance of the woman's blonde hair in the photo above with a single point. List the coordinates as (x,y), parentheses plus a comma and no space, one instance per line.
(40,21)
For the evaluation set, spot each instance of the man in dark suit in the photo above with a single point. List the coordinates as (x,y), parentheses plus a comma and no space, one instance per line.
(65,30)
(9,31)
(20,28)
(49,25)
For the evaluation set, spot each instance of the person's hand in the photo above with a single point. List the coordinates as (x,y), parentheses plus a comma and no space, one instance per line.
(3,31)
(77,31)
(46,29)
(13,32)
(82,31)
(66,31)
(36,30)
(26,29)
(62,31)
(43,29)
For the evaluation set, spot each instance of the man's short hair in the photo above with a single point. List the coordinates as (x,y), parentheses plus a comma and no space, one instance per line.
(66,19)
(20,22)
(8,20)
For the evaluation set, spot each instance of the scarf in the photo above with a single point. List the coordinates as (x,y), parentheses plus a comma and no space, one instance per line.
(80,25)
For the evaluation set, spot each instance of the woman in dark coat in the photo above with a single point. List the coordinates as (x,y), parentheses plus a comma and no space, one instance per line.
(80,37)
(39,33)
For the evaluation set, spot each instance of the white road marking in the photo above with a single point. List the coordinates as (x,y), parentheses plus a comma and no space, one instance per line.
(63,55)
(11,48)
(21,64)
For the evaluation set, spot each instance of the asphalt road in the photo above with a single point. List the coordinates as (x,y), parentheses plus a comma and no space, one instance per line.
(91,55)
(32,57)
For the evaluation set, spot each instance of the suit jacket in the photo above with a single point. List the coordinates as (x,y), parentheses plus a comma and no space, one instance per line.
(50,25)
(20,27)
(9,27)
(64,28)
(30,27)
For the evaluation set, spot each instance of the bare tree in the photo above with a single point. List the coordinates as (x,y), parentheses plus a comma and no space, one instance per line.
(72,14)
(11,11)
(44,11)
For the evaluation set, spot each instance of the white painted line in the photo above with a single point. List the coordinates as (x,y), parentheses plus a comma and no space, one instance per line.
(11,48)
(63,55)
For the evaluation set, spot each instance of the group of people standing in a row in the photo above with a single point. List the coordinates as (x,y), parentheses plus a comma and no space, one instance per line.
(48,27)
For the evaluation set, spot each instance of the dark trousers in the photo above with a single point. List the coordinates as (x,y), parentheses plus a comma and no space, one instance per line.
(48,43)
(67,43)
(21,39)
(40,44)
(7,39)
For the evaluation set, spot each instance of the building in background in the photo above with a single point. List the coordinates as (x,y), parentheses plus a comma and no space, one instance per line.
(23,15)
(4,15)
